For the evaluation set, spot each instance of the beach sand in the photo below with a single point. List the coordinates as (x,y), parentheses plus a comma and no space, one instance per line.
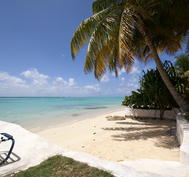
(118,140)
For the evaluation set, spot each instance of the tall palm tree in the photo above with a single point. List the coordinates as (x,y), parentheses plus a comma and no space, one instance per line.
(120,30)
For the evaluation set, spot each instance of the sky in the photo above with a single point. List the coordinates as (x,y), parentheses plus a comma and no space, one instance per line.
(35,57)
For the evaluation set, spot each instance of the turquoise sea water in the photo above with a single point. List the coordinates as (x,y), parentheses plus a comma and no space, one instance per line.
(41,112)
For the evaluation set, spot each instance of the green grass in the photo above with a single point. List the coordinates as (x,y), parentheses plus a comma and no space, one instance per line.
(59,166)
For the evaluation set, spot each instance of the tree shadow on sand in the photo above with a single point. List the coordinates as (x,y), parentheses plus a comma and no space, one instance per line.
(162,130)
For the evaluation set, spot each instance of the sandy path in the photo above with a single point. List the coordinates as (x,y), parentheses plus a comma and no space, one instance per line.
(117,140)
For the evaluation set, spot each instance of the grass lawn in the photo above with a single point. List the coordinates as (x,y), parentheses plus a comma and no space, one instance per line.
(59,166)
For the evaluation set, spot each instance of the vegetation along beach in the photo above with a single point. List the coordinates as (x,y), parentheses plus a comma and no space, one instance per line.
(94,89)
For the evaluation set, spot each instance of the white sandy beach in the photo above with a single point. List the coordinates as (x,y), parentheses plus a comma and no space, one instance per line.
(117,140)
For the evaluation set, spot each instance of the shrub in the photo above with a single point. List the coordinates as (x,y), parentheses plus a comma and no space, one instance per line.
(153,94)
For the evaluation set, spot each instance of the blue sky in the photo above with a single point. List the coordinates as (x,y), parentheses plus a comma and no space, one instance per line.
(35,55)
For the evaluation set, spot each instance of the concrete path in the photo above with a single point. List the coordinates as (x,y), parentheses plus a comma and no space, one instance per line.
(29,149)
(168,168)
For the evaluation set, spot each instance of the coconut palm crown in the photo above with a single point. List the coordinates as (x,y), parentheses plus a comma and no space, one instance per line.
(121,30)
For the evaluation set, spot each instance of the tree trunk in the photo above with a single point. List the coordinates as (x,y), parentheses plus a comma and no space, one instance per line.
(179,100)
(162,111)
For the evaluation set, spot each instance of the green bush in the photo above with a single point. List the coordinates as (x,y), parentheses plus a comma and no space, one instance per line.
(153,94)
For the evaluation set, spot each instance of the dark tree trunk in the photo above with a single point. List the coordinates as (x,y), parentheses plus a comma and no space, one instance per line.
(162,111)
(177,97)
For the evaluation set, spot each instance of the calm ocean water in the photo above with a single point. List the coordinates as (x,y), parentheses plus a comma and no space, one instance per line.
(41,112)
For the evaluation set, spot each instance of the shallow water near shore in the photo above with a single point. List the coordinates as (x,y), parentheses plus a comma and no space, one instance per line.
(40,112)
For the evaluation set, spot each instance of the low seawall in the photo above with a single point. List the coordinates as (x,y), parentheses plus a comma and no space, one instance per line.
(150,113)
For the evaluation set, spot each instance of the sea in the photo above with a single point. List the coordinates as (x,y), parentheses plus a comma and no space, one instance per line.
(43,112)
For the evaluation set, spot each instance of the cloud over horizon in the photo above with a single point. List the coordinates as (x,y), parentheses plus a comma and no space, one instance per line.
(33,83)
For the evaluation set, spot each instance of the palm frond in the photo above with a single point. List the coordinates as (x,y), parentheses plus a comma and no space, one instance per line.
(113,64)
(101,44)
(100,5)
(85,30)
(126,38)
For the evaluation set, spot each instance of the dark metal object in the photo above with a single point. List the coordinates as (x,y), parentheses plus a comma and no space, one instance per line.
(7,137)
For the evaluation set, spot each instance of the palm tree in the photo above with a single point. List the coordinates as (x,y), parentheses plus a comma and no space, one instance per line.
(121,30)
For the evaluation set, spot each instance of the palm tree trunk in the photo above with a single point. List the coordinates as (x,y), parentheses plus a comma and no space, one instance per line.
(177,97)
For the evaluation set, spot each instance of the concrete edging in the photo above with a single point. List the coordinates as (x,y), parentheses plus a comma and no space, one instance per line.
(183,138)
(150,113)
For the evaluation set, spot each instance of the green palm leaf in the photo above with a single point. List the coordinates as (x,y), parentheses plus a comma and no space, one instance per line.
(85,30)
(100,5)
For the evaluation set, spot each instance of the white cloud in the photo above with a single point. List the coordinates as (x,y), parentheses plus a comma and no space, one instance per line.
(11,85)
(6,78)
(105,78)
(59,80)
(120,72)
(71,82)
(36,77)
(92,87)
(33,83)
(122,79)
(136,69)
(128,85)
(34,74)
